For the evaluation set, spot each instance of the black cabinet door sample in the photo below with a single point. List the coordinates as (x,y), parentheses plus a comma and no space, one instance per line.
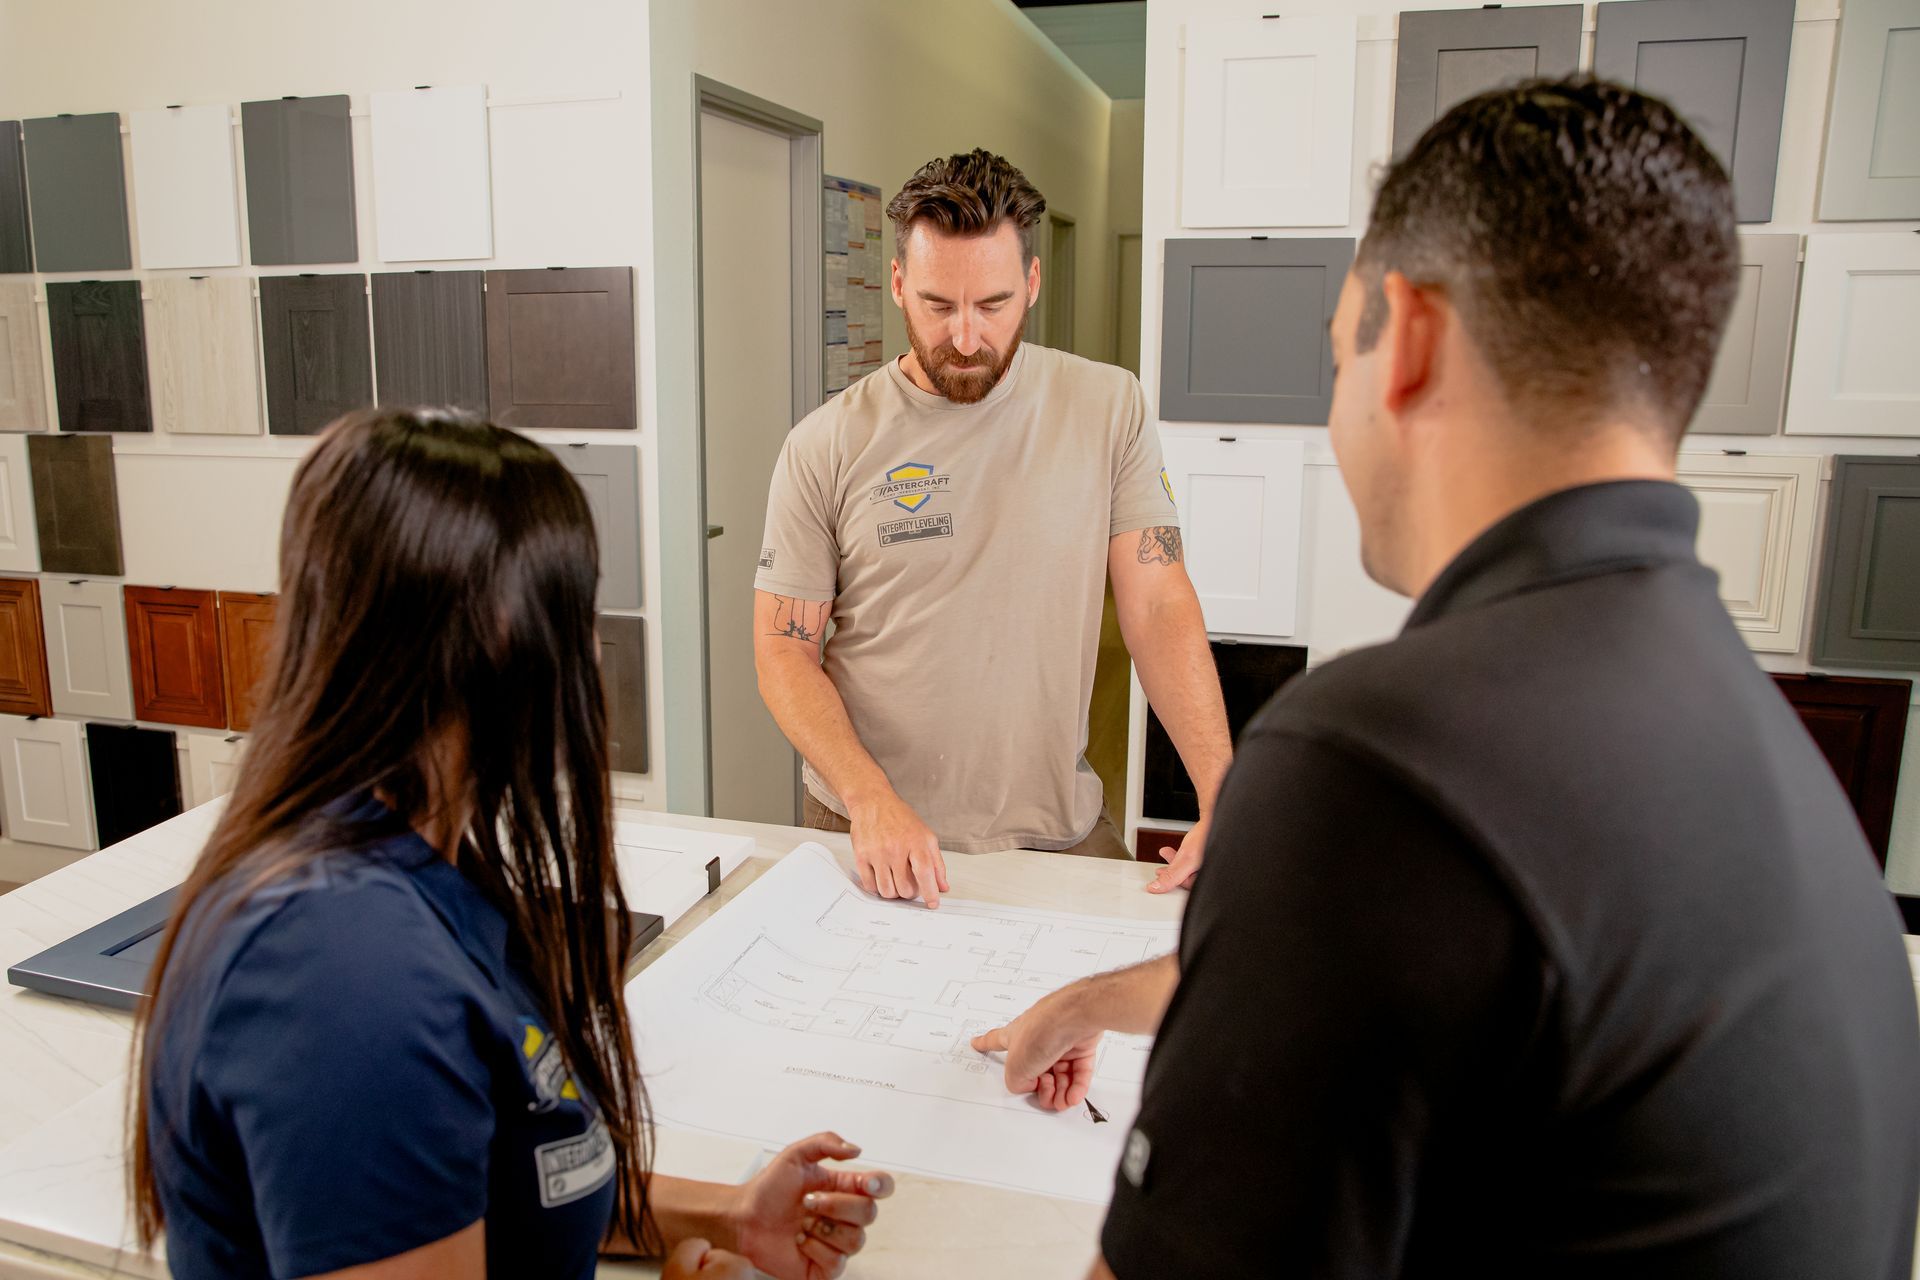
(136,779)
(16,240)
(77,189)
(560,348)
(299,154)
(99,355)
(1449,55)
(430,338)
(313,334)
(1869,610)
(623,672)
(76,504)
(1249,675)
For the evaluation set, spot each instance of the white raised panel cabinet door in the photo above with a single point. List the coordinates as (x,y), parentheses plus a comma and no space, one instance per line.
(43,774)
(1756,532)
(1239,502)
(19,536)
(1856,361)
(1269,123)
(213,759)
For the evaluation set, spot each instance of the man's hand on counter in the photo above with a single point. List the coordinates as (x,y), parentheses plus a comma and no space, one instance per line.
(898,854)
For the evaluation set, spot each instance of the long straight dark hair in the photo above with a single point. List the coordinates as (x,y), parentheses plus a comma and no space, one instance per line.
(438,577)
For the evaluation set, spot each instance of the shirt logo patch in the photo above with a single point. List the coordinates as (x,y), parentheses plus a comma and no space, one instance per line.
(546,1069)
(917,529)
(574,1167)
(910,486)
(1167,485)
(1133,1164)
(766,557)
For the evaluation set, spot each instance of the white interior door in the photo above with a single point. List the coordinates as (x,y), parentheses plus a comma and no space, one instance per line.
(746,266)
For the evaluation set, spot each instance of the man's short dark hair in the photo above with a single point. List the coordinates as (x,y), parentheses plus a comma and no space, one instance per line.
(1586,237)
(969,194)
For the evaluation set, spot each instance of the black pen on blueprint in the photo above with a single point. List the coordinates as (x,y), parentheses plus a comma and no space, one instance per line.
(1096,1114)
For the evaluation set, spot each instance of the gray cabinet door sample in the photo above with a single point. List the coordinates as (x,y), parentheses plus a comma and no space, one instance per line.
(1748,393)
(76,504)
(77,189)
(1872,165)
(1244,329)
(299,161)
(623,673)
(16,240)
(1723,66)
(99,355)
(609,474)
(560,348)
(1449,55)
(313,337)
(1869,612)
(430,338)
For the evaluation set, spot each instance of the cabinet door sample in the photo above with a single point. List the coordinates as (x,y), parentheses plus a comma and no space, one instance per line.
(77,190)
(1249,674)
(1860,726)
(430,338)
(16,239)
(623,671)
(135,777)
(43,775)
(1449,55)
(173,640)
(1872,165)
(76,507)
(560,348)
(1757,532)
(204,354)
(1748,393)
(184,187)
(299,161)
(246,645)
(610,476)
(23,397)
(1239,503)
(313,330)
(1244,330)
(1241,166)
(213,762)
(432,187)
(1854,371)
(23,650)
(99,355)
(1723,66)
(1869,611)
(87,648)
(19,539)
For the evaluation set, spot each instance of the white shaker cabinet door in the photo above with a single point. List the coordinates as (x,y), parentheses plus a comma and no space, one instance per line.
(1239,501)
(43,775)
(87,667)
(1854,366)
(213,760)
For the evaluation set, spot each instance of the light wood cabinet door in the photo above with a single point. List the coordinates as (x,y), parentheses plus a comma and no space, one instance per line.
(173,642)
(23,650)
(23,393)
(246,646)
(43,778)
(1240,503)
(205,355)
(87,665)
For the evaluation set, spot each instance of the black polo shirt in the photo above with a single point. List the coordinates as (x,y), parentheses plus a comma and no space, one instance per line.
(1538,942)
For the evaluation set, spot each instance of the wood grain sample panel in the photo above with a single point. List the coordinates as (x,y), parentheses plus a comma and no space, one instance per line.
(560,348)
(99,356)
(623,670)
(318,358)
(246,646)
(76,506)
(23,397)
(23,650)
(173,645)
(205,358)
(136,779)
(430,338)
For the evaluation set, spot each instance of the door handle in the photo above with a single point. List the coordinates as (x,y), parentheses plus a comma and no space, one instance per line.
(715,530)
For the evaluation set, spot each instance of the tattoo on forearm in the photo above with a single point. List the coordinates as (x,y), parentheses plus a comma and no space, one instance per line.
(798,619)
(1160,544)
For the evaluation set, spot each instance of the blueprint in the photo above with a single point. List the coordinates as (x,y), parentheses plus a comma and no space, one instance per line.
(806,1004)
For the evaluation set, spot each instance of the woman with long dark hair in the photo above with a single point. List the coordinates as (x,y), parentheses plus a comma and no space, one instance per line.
(387,1037)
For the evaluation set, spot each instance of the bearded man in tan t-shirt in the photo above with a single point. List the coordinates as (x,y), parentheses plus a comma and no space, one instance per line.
(957,515)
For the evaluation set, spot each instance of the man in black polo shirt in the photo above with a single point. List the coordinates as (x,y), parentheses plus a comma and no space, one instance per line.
(1539,941)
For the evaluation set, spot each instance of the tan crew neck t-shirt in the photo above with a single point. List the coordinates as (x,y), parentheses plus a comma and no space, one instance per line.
(965,550)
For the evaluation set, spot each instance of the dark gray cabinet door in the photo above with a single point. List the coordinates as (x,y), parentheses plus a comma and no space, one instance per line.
(623,672)
(560,348)
(1449,55)
(1244,329)
(1869,612)
(99,355)
(136,779)
(1723,66)
(16,240)
(609,474)
(299,155)
(430,338)
(77,189)
(76,505)
(313,335)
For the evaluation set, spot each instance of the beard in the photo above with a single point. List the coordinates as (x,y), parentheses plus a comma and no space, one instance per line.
(964,386)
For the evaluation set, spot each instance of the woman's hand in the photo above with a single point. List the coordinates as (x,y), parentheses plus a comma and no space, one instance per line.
(799,1221)
(697,1258)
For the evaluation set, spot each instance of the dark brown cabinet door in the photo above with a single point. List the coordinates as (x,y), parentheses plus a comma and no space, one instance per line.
(16,240)
(560,348)
(1860,725)
(23,650)
(313,334)
(99,355)
(173,645)
(430,338)
(246,642)
(136,779)
(76,505)
(623,672)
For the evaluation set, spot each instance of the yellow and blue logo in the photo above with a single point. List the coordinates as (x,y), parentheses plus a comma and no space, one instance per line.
(910,501)
(1167,485)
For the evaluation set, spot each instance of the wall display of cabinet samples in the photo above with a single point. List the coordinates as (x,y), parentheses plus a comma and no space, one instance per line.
(87,647)
(1249,674)
(299,162)
(16,238)
(43,777)
(173,642)
(1872,165)
(430,338)
(1860,725)
(432,185)
(1854,371)
(623,670)
(609,474)
(203,354)
(1449,55)
(560,348)
(1723,66)
(76,505)
(136,779)
(23,650)
(19,538)
(1869,610)
(184,188)
(77,191)
(1757,531)
(99,355)
(1244,329)
(23,402)
(246,644)
(1242,169)
(318,357)
(1240,505)
(1747,395)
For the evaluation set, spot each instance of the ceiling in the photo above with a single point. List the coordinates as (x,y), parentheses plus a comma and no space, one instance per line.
(1107,39)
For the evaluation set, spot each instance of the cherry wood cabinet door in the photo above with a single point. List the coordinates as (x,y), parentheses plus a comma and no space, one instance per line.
(246,642)
(173,644)
(23,650)
(1860,725)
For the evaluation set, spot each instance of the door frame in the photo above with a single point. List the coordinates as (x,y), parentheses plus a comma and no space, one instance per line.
(809,320)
